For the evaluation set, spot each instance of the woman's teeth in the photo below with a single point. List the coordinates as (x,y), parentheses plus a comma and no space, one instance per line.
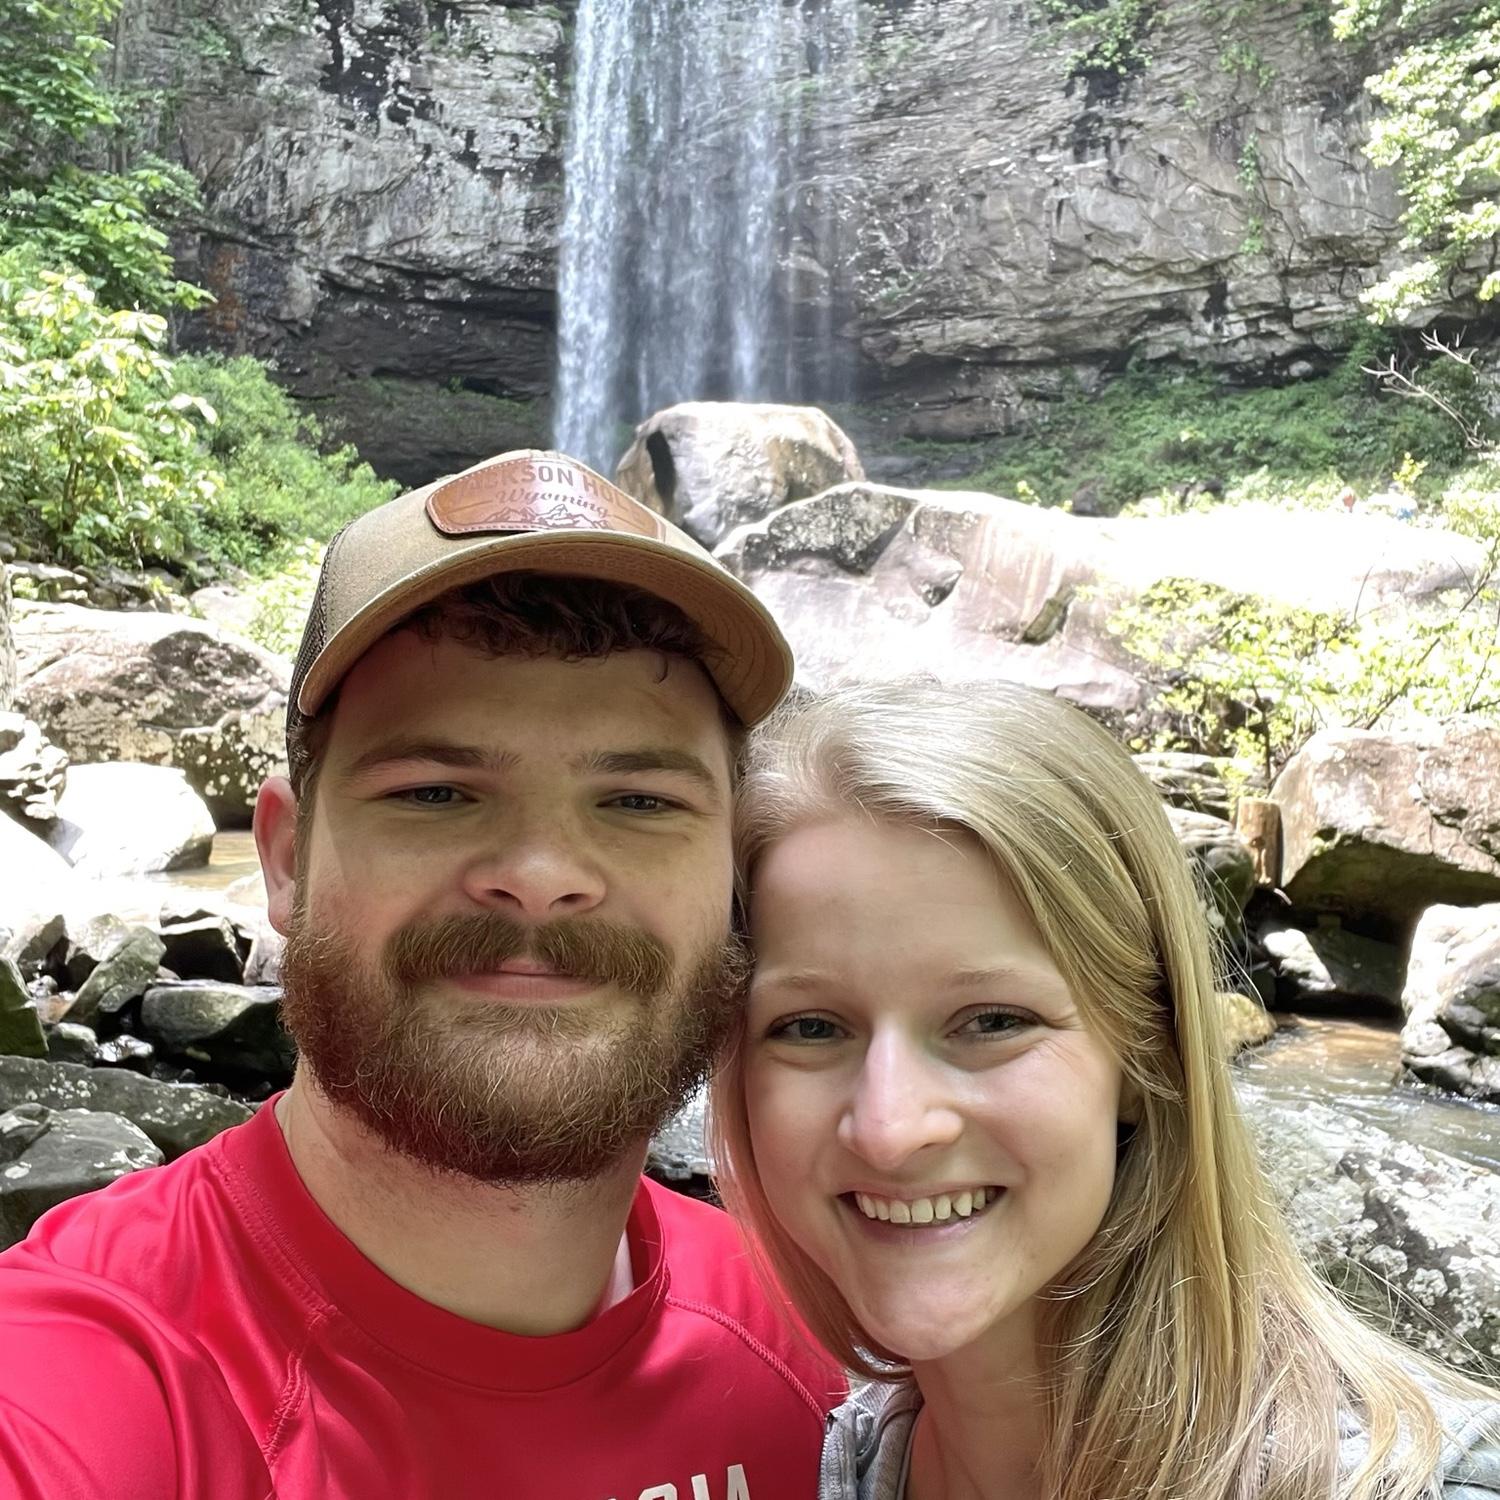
(938,1210)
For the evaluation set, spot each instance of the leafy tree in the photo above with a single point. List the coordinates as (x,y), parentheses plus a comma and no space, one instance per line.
(1441,130)
(98,454)
(54,110)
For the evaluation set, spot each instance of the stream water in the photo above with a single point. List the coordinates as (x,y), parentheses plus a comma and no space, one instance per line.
(1351,1065)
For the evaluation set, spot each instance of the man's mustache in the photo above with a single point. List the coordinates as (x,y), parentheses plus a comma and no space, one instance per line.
(580,947)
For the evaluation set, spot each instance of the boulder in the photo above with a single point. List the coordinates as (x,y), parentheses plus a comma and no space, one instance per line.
(710,466)
(131,819)
(1193,782)
(205,948)
(69,1042)
(1222,864)
(34,884)
(160,689)
(124,973)
(1327,967)
(176,1116)
(873,581)
(33,770)
(1411,1235)
(48,1156)
(232,1028)
(21,1032)
(1383,824)
(1452,1001)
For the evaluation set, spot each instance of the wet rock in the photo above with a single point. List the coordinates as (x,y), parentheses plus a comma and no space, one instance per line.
(159,689)
(1223,865)
(86,941)
(175,1116)
(1328,967)
(679,1151)
(1452,1001)
(126,1051)
(231,1028)
(710,466)
(71,1043)
(130,819)
(1380,1217)
(58,1154)
(123,974)
(1193,782)
(1388,823)
(20,1027)
(33,771)
(208,948)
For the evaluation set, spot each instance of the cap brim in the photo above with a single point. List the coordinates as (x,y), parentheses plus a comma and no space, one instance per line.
(751,664)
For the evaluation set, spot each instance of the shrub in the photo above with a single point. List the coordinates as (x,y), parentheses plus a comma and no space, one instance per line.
(99,460)
(280,487)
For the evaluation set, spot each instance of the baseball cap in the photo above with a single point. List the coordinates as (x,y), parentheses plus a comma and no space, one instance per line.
(538,512)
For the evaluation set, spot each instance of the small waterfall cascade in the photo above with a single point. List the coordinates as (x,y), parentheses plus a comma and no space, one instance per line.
(687,126)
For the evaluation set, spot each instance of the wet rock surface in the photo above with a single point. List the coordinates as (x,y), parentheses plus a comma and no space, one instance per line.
(50,1155)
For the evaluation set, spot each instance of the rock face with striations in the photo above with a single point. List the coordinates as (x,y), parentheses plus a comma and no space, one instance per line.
(383,195)
(109,685)
(985,217)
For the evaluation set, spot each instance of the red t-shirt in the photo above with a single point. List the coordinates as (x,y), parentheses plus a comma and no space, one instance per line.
(202,1330)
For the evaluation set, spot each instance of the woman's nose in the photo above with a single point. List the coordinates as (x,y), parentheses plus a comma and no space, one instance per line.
(900,1106)
(535,866)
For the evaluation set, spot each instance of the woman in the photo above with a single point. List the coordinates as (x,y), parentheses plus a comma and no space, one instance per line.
(980,1125)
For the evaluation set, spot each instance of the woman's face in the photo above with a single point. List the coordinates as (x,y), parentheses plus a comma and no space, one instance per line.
(931,1119)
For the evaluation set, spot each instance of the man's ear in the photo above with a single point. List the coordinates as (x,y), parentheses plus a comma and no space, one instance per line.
(276,842)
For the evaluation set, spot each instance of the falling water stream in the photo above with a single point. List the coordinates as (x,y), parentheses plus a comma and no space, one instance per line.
(685,131)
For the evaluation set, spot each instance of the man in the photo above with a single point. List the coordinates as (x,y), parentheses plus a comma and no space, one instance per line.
(502,865)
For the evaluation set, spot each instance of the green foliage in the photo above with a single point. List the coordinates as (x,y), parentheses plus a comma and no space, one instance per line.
(280,488)
(49,89)
(1239,675)
(98,453)
(1148,432)
(1111,34)
(1441,131)
(106,225)
(283,599)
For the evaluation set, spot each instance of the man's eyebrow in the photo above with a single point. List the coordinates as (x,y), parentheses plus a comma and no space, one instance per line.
(441,752)
(653,758)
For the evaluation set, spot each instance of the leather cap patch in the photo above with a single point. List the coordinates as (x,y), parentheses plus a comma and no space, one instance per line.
(537,494)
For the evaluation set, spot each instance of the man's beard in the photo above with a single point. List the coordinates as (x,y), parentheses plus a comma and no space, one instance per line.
(500,1093)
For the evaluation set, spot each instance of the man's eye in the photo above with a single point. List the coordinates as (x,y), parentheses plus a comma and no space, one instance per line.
(805,1029)
(641,802)
(429,796)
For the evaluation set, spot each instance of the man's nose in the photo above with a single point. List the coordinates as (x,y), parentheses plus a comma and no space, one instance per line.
(535,865)
(901,1105)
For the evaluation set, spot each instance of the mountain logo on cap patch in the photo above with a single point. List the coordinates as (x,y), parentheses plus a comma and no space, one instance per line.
(537,494)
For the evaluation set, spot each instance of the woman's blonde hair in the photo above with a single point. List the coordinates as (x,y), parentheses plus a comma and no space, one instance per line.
(1190,1354)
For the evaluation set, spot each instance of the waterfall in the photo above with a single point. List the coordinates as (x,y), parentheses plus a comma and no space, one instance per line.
(680,204)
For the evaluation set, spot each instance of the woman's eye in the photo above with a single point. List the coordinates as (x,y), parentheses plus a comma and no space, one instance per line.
(805,1029)
(993,1023)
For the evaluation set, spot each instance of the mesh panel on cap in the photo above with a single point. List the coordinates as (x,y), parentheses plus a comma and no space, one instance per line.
(314,638)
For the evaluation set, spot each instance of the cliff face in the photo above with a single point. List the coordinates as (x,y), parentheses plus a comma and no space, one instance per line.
(1007,213)
(986,215)
(382,187)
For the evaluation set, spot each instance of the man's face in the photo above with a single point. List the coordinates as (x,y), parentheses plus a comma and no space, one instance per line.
(507,950)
